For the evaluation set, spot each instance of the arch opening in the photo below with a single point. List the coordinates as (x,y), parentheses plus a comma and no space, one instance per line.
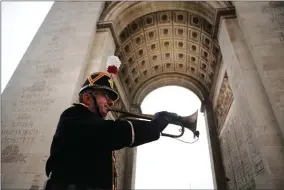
(171,42)
(168,163)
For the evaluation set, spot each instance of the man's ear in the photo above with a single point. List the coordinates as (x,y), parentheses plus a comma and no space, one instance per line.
(87,98)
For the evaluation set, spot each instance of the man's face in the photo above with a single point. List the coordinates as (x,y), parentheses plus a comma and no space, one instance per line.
(104,102)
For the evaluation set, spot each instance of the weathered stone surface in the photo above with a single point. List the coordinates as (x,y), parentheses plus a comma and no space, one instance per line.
(41,87)
(242,160)
(263,26)
(120,167)
(254,113)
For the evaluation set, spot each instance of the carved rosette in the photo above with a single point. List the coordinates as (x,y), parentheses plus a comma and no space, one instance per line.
(11,154)
(224,101)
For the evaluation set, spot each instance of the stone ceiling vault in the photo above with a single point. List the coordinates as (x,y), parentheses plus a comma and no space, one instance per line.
(164,40)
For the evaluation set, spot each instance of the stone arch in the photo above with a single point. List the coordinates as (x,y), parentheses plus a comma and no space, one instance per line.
(250,140)
(172,42)
(122,13)
(163,80)
(166,43)
(122,17)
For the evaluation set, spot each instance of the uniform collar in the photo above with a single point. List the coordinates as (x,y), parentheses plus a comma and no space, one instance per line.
(85,106)
(82,105)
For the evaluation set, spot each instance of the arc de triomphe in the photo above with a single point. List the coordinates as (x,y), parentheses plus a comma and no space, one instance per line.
(230,54)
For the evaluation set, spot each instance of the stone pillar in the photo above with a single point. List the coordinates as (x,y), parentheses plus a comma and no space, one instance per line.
(130,161)
(41,87)
(262,24)
(251,97)
(103,47)
(214,147)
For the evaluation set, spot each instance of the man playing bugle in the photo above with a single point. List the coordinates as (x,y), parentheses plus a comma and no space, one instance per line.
(81,151)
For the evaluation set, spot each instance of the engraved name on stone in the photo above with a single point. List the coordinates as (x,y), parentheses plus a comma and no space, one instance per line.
(20,132)
(228,161)
(276,10)
(18,140)
(33,102)
(33,99)
(234,153)
(23,124)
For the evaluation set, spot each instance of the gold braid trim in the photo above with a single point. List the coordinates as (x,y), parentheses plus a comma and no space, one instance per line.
(92,81)
(114,172)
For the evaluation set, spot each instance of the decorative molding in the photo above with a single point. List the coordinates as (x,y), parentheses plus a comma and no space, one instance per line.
(109,5)
(109,25)
(229,12)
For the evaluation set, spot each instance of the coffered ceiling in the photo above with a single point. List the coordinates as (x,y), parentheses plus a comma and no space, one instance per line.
(167,42)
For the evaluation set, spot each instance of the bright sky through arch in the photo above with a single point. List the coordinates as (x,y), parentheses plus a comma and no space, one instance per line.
(168,163)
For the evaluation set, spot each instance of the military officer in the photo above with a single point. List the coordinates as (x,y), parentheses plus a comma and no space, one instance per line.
(81,149)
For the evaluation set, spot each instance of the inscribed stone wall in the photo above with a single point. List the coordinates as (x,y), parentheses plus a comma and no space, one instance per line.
(241,157)
(263,27)
(41,88)
(120,167)
(244,150)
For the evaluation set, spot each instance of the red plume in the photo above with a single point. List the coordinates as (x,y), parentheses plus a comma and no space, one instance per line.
(113,64)
(112,69)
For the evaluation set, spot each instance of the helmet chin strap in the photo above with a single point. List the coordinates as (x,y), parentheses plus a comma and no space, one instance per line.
(96,105)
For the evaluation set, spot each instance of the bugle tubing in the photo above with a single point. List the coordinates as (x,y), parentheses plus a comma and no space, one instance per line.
(188,122)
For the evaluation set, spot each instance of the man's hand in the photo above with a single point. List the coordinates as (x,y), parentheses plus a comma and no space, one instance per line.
(164,118)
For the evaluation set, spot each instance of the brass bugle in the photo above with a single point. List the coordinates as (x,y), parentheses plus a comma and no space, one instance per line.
(188,122)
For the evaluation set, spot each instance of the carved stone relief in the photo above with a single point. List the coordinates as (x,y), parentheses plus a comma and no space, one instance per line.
(224,101)
(11,153)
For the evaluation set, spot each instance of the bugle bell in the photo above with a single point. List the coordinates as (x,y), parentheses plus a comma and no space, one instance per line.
(188,122)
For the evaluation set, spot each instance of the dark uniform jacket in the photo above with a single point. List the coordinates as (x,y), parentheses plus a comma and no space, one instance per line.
(81,150)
